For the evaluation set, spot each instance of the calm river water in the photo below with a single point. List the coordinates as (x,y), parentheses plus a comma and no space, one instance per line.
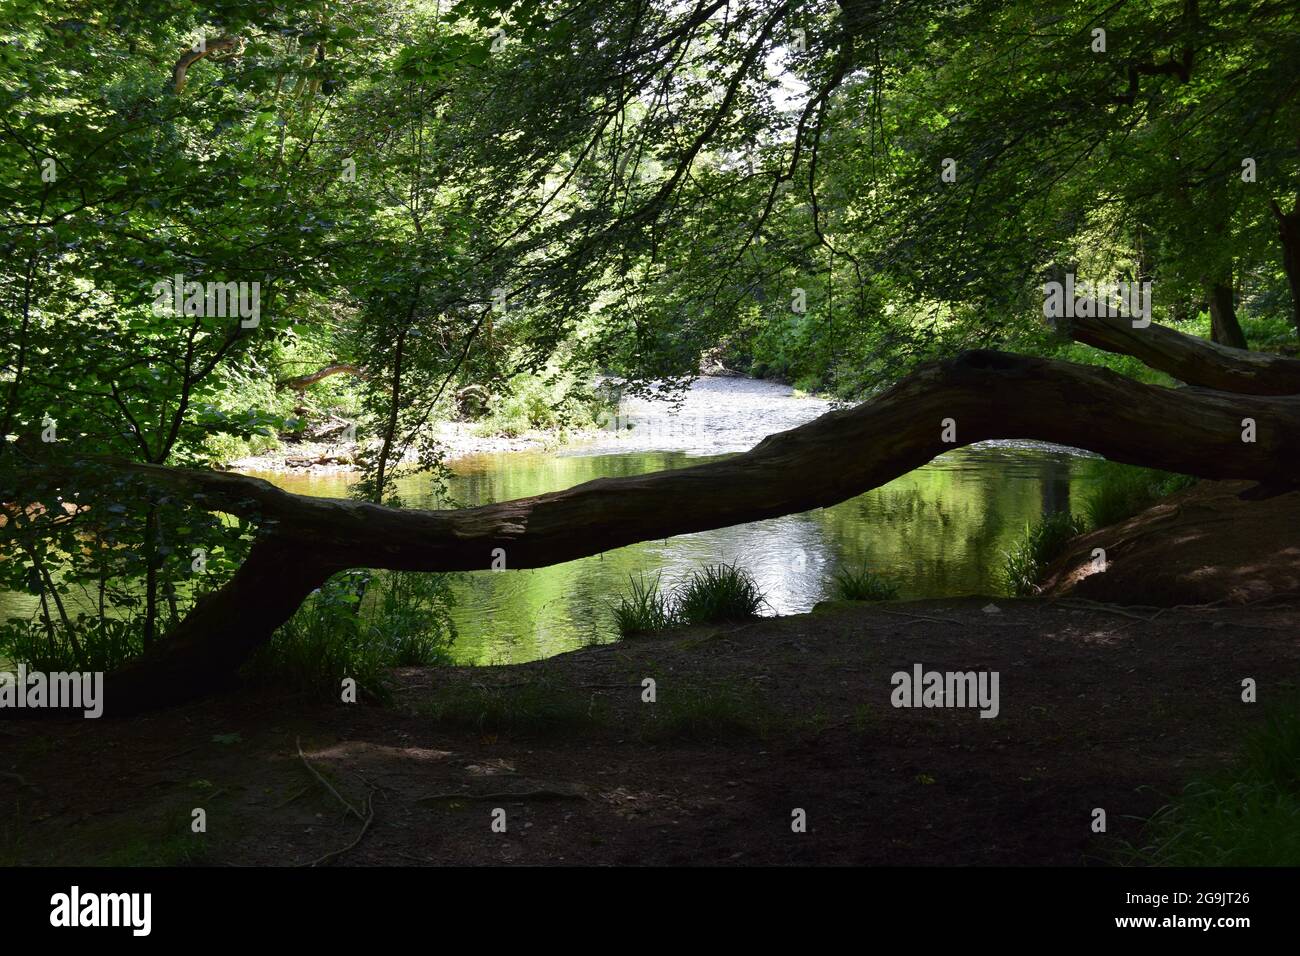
(940,531)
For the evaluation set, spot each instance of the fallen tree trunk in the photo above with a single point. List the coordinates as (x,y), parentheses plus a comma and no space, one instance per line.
(1188,358)
(975,396)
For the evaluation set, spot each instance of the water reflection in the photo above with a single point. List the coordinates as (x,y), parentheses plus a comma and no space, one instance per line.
(939,531)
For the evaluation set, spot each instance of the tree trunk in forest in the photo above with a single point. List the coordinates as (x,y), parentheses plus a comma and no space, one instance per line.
(1288,228)
(1224,327)
(204,652)
(150,575)
(394,410)
(839,455)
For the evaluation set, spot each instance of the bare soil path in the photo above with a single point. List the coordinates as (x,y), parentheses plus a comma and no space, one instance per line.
(1099,707)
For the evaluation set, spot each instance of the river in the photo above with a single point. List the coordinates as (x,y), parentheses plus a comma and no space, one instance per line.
(939,531)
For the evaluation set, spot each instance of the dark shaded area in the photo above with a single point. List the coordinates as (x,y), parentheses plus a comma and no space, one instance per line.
(1100,708)
(1218,542)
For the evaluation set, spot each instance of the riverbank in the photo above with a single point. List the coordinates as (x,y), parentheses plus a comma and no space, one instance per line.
(1218,542)
(716,415)
(1098,708)
(457,440)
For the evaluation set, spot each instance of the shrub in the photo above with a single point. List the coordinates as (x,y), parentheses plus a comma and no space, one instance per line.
(411,618)
(1043,541)
(860,584)
(403,620)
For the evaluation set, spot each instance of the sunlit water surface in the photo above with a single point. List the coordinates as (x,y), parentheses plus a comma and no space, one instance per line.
(939,531)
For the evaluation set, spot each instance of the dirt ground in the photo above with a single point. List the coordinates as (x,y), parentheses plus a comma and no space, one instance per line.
(1099,707)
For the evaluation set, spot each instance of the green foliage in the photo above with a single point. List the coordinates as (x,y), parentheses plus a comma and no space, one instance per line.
(1126,490)
(1043,542)
(90,644)
(717,593)
(643,609)
(1249,816)
(409,615)
(441,211)
(245,416)
(1122,491)
(403,621)
(863,584)
(550,401)
(87,575)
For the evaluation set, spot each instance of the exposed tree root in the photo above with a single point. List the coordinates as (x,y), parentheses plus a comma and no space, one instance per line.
(365,828)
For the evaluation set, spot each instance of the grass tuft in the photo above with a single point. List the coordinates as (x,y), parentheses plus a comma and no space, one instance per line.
(720,592)
(1043,541)
(860,584)
(1246,817)
(643,609)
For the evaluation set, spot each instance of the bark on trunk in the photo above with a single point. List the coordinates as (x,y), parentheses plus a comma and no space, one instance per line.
(1288,228)
(842,454)
(1224,327)
(1189,358)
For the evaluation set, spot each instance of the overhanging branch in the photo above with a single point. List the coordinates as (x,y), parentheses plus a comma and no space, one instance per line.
(1188,358)
(976,396)
(207,48)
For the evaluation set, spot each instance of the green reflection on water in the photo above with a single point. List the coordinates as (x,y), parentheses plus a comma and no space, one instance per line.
(939,531)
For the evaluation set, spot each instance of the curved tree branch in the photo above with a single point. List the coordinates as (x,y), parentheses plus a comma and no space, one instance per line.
(299,382)
(1188,358)
(841,454)
(182,67)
